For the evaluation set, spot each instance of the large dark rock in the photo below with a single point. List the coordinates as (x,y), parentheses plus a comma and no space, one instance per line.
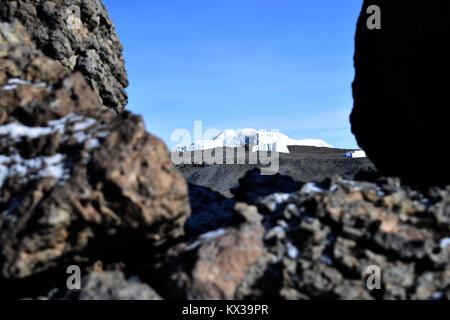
(88,44)
(76,181)
(402,89)
(214,265)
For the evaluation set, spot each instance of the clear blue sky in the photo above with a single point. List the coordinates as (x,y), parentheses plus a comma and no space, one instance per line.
(262,64)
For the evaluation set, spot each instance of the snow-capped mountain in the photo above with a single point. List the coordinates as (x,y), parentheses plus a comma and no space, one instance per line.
(258,140)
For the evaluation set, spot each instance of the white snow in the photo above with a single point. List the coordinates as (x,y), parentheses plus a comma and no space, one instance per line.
(311,187)
(437,295)
(205,237)
(327,260)
(18,81)
(292,251)
(87,123)
(15,166)
(16,130)
(260,141)
(103,134)
(38,167)
(445,242)
(280,197)
(14,83)
(40,85)
(9,87)
(333,188)
(213,234)
(81,137)
(355,154)
(273,200)
(92,144)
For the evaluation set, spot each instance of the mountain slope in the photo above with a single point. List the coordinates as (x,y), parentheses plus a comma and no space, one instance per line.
(258,140)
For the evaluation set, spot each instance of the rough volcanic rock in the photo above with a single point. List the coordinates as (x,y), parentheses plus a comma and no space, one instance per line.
(214,265)
(323,238)
(76,181)
(20,58)
(210,211)
(401,90)
(315,243)
(254,185)
(81,36)
(111,286)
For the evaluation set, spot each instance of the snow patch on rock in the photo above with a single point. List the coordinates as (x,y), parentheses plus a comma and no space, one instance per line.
(311,187)
(14,83)
(445,242)
(72,126)
(39,167)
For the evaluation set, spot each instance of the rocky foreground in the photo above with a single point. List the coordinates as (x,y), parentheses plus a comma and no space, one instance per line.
(83,184)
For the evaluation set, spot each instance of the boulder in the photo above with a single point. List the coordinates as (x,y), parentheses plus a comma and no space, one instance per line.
(213,266)
(81,37)
(401,90)
(76,181)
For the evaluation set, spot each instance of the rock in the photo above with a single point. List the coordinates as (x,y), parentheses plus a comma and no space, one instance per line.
(343,227)
(400,90)
(254,185)
(248,213)
(111,286)
(216,264)
(77,182)
(352,290)
(433,286)
(210,211)
(20,58)
(81,36)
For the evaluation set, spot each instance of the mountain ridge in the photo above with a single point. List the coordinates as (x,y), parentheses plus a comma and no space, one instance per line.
(259,140)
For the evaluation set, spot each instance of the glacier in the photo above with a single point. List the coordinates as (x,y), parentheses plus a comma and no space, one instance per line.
(257,140)
(355,154)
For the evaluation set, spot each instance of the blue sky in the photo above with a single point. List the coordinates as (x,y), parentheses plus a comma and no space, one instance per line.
(262,64)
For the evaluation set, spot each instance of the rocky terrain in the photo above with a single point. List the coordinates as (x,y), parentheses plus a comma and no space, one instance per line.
(72,179)
(302,163)
(83,184)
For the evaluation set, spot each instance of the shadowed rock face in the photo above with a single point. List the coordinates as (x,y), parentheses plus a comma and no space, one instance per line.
(76,181)
(82,38)
(401,90)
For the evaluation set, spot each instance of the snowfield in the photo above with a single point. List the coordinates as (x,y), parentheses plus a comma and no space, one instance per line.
(259,140)
(355,154)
